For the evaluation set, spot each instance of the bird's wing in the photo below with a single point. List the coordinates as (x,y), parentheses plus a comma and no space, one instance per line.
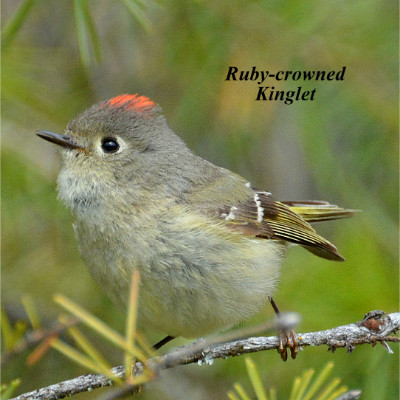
(262,216)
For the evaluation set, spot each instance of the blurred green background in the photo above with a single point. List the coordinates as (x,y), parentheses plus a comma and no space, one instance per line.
(342,147)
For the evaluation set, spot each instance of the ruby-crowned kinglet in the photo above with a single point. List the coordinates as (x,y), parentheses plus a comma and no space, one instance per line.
(207,245)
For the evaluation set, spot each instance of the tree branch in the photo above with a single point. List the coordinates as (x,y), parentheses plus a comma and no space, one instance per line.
(36,336)
(374,328)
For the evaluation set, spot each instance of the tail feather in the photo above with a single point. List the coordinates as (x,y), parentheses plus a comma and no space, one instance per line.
(316,211)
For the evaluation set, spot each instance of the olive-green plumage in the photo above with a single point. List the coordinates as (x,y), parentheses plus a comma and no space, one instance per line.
(207,245)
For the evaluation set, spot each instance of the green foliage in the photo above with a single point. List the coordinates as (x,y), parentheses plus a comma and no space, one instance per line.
(15,23)
(137,9)
(303,387)
(84,352)
(7,390)
(91,358)
(87,36)
(85,29)
(10,333)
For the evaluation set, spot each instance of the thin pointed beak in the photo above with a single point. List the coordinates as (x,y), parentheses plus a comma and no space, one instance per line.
(61,140)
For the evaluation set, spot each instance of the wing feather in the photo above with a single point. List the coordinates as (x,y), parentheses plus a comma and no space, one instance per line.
(262,216)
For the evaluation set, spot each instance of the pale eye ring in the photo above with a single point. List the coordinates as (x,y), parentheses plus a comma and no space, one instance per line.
(109,145)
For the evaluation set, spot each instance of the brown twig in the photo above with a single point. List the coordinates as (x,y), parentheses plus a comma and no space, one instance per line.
(374,328)
(35,337)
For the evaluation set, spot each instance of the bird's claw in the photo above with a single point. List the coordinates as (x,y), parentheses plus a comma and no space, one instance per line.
(288,340)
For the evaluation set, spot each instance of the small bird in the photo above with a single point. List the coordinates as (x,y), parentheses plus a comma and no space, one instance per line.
(208,246)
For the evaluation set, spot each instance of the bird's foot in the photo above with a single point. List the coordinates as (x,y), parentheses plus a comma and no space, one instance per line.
(288,340)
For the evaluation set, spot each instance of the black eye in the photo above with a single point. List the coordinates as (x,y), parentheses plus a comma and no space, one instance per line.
(109,145)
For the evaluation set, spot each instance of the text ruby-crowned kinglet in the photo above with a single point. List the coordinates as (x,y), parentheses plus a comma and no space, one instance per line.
(207,245)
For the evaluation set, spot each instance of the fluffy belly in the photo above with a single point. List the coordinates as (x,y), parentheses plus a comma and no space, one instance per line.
(186,289)
(194,299)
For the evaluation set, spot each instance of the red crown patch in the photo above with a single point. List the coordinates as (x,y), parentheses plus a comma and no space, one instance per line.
(132,102)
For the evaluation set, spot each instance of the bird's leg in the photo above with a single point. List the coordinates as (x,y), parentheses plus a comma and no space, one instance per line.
(137,389)
(162,342)
(287,338)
